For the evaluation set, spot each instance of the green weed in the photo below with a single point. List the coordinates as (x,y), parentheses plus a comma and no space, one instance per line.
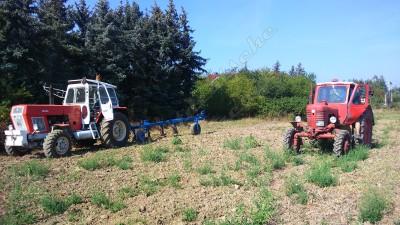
(205,169)
(102,200)
(234,144)
(148,186)
(250,142)
(321,174)
(158,154)
(189,215)
(222,180)
(277,160)
(127,192)
(372,206)
(348,162)
(176,141)
(295,187)
(174,180)
(124,163)
(54,205)
(33,168)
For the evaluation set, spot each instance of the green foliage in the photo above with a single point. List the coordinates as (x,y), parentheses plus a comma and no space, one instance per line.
(298,160)
(127,192)
(295,187)
(205,169)
(176,141)
(321,174)
(221,180)
(250,142)
(102,200)
(54,205)
(372,206)
(277,160)
(348,162)
(234,143)
(32,168)
(148,186)
(102,160)
(157,154)
(174,180)
(189,215)
(249,93)
(264,208)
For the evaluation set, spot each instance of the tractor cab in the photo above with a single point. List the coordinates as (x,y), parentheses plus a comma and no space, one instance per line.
(93,97)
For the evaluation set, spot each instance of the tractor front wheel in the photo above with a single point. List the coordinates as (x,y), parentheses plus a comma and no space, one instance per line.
(289,142)
(15,150)
(57,144)
(115,133)
(342,143)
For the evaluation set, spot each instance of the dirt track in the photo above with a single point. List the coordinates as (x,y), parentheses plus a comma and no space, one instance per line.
(331,205)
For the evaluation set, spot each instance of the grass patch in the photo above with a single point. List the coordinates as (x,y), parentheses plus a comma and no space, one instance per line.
(277,160)
(217,181)
(176,141)
(372,206)
(102,200)
(294,187)
(348,162)
(149,186)
(180,148)
(127,192)
(234,144)
(34,169)
(298,160)
(174,180)
(205,169)
(187,165)
(264,208)
(101,160)
(250,142)
(54,205)
(158,154)
(75,215)
(189,215)
(321,174)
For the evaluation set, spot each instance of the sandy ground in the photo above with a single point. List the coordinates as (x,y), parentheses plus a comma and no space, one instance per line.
(332,205)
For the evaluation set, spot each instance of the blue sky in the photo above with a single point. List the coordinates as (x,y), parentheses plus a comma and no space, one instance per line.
(333,39)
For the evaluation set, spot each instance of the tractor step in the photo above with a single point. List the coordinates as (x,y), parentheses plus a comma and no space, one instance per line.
(94,131)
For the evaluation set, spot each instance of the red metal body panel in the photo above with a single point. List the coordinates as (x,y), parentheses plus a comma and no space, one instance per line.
(72,112)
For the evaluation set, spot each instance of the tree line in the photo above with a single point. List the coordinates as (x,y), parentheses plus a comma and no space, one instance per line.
(150,56)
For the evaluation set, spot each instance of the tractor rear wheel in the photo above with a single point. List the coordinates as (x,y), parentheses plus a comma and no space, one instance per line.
(342,143)
(15,150)
(195,129)
(288,140)
(57,144)
(115,133)
(365,134)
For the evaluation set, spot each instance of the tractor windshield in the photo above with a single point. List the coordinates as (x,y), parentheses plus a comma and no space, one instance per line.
(332,94)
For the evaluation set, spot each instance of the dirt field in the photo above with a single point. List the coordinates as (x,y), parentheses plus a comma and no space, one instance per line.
(206,179)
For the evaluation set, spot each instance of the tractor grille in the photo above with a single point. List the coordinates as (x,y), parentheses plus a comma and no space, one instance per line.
(317,119)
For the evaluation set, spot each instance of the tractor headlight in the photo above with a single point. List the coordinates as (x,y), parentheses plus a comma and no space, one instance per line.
(10,127)
(297,119)
(333,119)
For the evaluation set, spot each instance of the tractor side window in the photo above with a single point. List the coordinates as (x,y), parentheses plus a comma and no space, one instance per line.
(103,95)
(70,96)
(359,96)
(80,95)
(93,99)
(113,96)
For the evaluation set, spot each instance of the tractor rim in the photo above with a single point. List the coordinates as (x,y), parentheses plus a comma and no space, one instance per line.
(62,145)
(119,130)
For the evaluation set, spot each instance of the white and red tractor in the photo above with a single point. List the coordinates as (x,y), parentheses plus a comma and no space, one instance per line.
(90,112)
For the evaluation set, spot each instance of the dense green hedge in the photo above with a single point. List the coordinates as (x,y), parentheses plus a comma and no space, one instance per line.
(252,93)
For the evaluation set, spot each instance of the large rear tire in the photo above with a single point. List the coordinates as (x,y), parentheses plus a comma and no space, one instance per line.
(115,133)
(365,133)
(15,150)
(288,140)
(57,144)
(342,143)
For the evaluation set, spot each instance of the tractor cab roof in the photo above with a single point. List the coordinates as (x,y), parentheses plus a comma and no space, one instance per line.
(335,83)
(89,81)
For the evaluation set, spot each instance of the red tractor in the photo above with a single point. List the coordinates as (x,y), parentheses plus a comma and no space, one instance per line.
(90,111)
(338,112)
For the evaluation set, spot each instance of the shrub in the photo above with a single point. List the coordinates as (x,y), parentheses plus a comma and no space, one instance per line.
(372,206)
(234,144)
(158,154)
(33,168)
(321,175)
(189,215)
(295,187)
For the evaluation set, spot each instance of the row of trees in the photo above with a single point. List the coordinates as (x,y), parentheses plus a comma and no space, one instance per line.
(149,56)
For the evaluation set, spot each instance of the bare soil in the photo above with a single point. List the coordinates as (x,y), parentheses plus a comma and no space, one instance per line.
(331,205)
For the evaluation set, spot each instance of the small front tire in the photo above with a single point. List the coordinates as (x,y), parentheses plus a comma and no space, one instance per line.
(342,143)
(57,144)
(288,140)
(15,150)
